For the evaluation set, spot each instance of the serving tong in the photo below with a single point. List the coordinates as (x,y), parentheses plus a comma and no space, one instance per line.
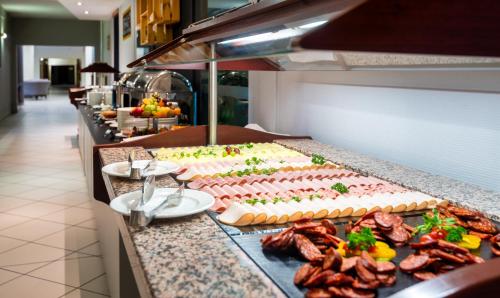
(139,217)
(138,173)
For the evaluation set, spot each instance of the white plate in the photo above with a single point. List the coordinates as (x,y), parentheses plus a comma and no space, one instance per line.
(120,169)
(114,125)
(192,202)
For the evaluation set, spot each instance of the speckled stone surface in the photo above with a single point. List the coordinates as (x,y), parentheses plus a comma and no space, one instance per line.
(191,256)
(461,193)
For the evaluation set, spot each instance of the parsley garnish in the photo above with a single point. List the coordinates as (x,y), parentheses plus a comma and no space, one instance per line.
(453,233)
(362,240)
(296,199)
(341,188)
(318,159)
(276,200)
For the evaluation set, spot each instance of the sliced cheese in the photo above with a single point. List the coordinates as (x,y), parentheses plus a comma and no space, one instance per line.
(237,215)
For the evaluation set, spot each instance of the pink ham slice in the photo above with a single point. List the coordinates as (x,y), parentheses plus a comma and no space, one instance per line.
(259,187)
(219,206)
(221,193)
(242,192)
(210,191)
(229,190)
(250,189)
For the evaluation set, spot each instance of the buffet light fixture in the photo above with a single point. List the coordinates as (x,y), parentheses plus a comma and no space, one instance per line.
(3,35)
(269,36)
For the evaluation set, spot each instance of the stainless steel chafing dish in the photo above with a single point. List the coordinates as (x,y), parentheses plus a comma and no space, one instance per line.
(167,84)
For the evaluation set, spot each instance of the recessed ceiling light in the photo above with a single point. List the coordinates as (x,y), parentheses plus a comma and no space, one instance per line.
(86,12)
(79,3)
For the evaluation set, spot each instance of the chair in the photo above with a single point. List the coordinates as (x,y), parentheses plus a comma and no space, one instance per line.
(36,88)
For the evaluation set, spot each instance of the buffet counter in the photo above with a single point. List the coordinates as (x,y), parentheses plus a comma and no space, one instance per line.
(193,256)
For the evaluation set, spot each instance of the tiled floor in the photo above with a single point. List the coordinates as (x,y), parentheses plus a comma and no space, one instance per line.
(48,241)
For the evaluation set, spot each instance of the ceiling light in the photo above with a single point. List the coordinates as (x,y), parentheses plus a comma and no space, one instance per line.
(86,12)
(3,35)
(79,3)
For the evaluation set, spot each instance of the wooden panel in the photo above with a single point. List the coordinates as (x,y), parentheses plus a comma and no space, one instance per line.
(444,27)
(155,18)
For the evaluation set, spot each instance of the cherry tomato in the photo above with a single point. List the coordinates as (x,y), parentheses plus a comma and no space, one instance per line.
(438,234)
(426,238)
(372,249)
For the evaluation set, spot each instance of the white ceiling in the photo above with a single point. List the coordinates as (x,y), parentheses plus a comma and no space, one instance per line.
(98,9)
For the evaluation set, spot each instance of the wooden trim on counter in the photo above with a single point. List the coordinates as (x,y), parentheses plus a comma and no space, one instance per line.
(480,280)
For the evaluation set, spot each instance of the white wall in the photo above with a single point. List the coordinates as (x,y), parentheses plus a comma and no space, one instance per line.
(128,46)
(451,133)
(29,62)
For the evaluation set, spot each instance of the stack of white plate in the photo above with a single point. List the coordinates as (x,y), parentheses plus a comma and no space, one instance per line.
(122,115)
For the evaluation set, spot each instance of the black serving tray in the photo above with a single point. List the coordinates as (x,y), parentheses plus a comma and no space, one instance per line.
(280,267)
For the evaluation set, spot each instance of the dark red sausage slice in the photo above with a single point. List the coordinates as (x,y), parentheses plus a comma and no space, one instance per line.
(318,293)
(462,212)
(339,279)
(446,256)
(384,220)
(306,248)
(483,225)
(318,279)
(385,267)
(330,227)
(333,260)
(368,261)
(359,284)
(413,262)
(398,234)
(452,247)
(302,274)
(354,293)
(391,280)
(363,273)
(348,264)
(424,275)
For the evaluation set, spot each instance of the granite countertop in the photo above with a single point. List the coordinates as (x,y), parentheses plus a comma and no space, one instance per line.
(461,193)
(191,256)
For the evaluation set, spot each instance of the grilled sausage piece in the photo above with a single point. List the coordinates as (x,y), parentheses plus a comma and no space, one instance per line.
(348,264)
(306,248)
(398,234)
(330,227)
(302,274)
(384,220)
(318,293)
(385,267)
(413,262)
(354,293)
(368,261)
(363,273)
(333,260)
(452,247)
(462,212)
(424,275)
(482,225)
(359,284)
(339,279)
(318,279)
(446,256)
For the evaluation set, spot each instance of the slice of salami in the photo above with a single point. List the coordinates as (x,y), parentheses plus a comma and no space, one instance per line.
(302,274)
(366,216)
(318,293)
(354,293)
(339,279)
(462,212)
(427,243)
(385,266)
(409,228)
(480,235)
(318,279)
(368,261)
(452,247)
(306,248)
(348,264)
(424,275)
(398,234)
(391,280)
(384,220)
(446,256)
(332,260)
(359,284)
(495,250)
(483,225)
(330,227)
(413,262)
(363,273)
